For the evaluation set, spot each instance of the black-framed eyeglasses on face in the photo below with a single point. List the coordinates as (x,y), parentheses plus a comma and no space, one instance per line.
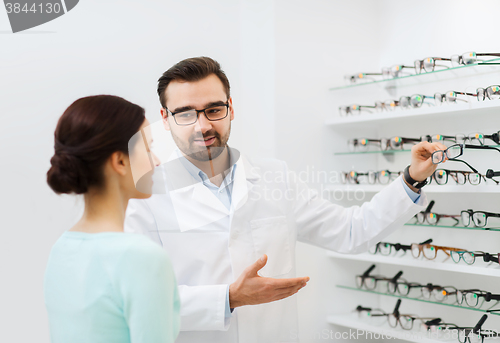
(216,111)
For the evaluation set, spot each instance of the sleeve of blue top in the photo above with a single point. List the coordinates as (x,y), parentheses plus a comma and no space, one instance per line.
(413,196)
(148,288)
(228,310)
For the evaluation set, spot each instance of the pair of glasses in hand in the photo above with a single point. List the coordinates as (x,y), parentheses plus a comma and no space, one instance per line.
(456,150)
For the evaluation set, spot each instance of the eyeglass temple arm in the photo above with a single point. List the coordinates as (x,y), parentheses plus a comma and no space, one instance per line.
(490,258)
(480,323)
(488,54)
(468,146)
(396,308)
(368,271)
(490,173)
(397,276)
(434,321)
(429,241)
(471,167)
(488,296)
(361,308)
(429,207)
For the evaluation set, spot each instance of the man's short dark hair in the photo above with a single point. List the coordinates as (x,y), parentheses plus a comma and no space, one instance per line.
(190,70)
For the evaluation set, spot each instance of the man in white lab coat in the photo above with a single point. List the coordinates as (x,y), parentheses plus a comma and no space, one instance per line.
(230,223)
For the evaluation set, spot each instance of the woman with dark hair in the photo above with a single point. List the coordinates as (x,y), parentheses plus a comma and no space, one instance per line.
(101,284)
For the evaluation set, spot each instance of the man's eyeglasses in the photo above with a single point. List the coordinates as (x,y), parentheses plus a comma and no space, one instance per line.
(212,113)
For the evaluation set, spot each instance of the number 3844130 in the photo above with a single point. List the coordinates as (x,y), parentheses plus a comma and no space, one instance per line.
(46,7)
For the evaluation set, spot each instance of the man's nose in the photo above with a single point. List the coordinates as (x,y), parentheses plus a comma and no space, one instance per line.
(203,124)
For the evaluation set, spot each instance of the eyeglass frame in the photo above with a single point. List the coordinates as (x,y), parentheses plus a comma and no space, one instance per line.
(472,212)
(226,104)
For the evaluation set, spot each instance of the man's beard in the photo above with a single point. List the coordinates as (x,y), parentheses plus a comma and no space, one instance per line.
(203,153)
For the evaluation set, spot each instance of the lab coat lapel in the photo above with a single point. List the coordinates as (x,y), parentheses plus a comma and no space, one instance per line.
(194,204)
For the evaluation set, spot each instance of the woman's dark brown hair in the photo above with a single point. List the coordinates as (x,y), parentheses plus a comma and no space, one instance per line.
(88,132)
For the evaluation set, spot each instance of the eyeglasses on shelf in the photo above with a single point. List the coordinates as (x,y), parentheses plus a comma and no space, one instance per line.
(429,251)
(383,177)
(477,218)
(491,92)
(469,257)
(386,249)
(353,109)
(461,177)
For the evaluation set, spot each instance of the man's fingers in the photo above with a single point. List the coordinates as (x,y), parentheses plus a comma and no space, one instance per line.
(286,283)
(257,265)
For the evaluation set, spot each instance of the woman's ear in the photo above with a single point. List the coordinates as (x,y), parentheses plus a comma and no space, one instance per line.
(119,162)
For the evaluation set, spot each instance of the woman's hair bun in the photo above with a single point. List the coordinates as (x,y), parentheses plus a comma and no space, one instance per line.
(87,134)
(68,174)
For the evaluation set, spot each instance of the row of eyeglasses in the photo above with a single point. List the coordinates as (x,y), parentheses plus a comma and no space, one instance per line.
(469,218)
(474,298)
(434,327)
(440,177)
(429,251)
(428,64)
(417,100)
(397,142)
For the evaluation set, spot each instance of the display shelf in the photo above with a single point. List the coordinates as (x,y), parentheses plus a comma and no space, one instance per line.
(437,75)
(417,299)
(409,261)
(456,227)
(352,322)
(487,107)
(370,152)
(386,152)
(491,188)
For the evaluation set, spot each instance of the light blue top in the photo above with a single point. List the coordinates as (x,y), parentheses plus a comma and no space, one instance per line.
(110,287)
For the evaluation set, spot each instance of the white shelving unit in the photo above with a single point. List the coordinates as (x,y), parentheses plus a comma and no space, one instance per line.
(493,188)
(409,261)
(460,110)
(447,119)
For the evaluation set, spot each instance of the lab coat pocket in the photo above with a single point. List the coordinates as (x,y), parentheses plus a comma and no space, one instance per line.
(272,237)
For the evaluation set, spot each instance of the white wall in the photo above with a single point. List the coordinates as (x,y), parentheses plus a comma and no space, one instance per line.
(110,47)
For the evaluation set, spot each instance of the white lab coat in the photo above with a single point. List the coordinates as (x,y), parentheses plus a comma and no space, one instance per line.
(210,245)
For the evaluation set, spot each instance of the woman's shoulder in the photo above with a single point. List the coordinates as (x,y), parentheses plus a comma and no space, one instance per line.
(134,246)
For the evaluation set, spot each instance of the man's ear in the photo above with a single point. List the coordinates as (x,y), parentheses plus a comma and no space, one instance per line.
(164,116)
(231,108)
(119,162)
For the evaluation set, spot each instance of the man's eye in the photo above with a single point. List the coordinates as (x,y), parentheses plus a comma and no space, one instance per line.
(213,111)
(184,115)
